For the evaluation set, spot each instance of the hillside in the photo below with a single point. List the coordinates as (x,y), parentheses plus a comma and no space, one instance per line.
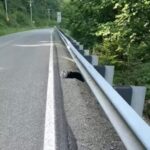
(19,14)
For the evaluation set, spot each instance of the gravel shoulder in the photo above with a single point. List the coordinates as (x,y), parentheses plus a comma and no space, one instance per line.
(89,124)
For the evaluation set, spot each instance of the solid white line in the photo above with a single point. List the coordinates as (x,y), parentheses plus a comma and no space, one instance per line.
(49,134)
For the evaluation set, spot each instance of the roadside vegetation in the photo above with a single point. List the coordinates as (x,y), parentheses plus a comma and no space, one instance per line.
(19,17)
(118,31)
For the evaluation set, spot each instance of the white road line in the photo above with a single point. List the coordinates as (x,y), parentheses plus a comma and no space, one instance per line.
(49,134)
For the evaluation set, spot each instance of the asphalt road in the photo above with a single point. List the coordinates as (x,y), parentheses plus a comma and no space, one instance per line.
(24,61)
(27,74)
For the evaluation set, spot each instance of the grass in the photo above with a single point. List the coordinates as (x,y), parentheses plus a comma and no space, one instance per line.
(9,30)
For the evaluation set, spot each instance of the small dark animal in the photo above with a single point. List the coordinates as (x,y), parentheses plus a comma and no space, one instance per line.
(72,75)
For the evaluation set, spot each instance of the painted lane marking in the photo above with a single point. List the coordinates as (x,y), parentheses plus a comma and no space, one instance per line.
(33,45)
(49,134)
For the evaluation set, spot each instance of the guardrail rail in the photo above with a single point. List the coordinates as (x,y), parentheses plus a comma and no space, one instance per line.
(133,131)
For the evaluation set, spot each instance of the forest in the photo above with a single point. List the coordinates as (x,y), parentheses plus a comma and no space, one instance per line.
(118,31)
(19,14)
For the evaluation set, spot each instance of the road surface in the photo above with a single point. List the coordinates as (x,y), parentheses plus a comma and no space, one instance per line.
(26,84)
(24,61)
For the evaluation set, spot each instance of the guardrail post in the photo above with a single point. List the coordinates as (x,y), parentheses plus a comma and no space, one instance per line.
(86,52)
(78,43)
(138,98)
(81,47)
(101,70)
(134,96)
(109,73)
(125,92)
(74,41)
(93,59)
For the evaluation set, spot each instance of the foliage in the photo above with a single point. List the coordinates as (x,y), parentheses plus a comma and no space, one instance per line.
(118,32)
(19,13)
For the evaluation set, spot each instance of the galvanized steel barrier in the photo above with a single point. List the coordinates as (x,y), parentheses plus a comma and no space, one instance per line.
(133,131)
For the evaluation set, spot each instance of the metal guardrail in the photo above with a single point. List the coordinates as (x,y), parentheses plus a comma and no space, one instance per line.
(133,131)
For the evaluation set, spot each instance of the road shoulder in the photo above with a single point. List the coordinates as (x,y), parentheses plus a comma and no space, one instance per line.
(86,119)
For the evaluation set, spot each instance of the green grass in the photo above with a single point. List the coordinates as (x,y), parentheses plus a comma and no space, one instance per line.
(9,30)
(5,31)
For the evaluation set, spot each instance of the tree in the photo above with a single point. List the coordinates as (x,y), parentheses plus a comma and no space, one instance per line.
(117,31)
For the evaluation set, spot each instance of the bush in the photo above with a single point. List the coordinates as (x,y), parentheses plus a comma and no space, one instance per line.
(137,74)
(22,19)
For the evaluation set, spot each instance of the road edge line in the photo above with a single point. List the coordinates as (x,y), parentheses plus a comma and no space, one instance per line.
(49,133)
